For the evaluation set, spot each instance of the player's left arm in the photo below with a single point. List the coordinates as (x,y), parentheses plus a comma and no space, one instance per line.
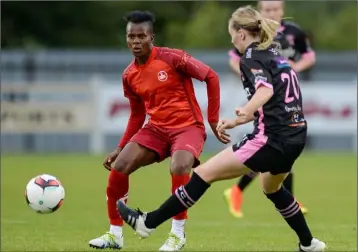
(308,56)
(261,79)
(200,71)
(196,69)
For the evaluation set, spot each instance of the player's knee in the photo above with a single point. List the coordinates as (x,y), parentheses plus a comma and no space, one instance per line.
(124,165)
(271,183)
(206,174)
(180,167)
(268,189)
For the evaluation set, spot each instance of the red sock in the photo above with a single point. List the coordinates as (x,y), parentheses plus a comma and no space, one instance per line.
(117,188)
(178,180)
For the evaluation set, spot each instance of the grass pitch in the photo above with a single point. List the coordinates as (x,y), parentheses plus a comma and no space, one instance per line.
(325,183)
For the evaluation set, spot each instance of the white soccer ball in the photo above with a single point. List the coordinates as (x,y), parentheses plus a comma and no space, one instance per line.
(44,194)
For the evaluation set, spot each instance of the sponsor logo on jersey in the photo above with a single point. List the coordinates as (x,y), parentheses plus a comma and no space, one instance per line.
(297,120)
(258,74)
(293,109)
(256,71)
(248,53)
(260,78)
(274,51)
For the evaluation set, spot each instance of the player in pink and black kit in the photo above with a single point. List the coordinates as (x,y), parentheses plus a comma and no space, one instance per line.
(278,139)
(296,49)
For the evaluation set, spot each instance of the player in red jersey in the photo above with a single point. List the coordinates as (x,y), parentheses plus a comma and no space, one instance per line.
(158,83)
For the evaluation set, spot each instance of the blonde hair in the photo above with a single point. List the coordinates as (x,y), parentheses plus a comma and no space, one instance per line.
(249,19)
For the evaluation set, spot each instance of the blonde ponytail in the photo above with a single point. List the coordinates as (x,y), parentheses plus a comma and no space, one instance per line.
(268,31)
(251,20)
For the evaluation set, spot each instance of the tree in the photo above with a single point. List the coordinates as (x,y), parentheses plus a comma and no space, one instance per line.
(201,24)
(59,24)
(208,27)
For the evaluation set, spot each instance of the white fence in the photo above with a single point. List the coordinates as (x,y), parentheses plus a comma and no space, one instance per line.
(100,109)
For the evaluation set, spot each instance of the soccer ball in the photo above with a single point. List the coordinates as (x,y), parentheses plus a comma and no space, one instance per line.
(44,194)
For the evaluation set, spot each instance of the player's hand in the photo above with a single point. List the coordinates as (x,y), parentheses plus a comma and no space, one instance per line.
(221,128)
(111,158)
(243,116)
(226,124)
(223,136)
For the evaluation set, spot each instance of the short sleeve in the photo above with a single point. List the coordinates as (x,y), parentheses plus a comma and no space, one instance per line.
(302,43)
(256,73)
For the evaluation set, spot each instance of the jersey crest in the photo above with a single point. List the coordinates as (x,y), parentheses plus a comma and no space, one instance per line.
(162,76)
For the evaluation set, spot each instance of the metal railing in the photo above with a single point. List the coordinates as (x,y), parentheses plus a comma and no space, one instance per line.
(80,66)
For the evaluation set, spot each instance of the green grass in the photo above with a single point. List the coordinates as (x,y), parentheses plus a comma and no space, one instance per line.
(325,183)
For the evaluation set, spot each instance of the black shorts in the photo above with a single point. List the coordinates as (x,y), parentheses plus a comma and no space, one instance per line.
(266,155)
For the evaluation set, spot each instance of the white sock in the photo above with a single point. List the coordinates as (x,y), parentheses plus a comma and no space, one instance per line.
(115,230)
(178,228)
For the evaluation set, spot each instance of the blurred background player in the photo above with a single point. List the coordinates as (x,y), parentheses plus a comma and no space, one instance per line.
(296,48)
(158,83)
(277,141)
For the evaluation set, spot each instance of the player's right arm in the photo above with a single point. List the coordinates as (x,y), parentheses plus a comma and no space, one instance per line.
(135,122)
(308,56)
(234,61)
(261,79)
(137,115)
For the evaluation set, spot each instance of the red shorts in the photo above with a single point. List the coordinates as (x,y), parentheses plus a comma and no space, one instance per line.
(166,141)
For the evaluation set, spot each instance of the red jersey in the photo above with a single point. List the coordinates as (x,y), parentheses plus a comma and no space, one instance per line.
(163,89)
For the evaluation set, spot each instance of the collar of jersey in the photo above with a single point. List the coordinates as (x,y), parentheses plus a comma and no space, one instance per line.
(252,45)
(152,55)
